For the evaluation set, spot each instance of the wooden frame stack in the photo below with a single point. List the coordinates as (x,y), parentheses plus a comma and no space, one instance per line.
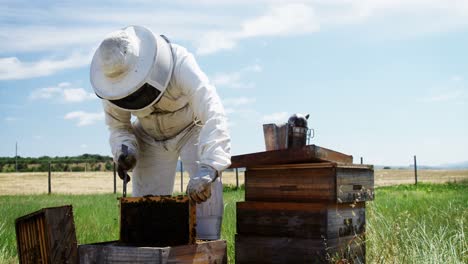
(310,212)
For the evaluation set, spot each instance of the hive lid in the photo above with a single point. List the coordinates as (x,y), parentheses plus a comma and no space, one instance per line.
(307,154)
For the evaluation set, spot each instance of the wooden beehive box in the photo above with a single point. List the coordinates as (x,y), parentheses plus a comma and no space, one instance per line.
(207,252)
(310,182)
(157,221)
(300,220)
(264,249)
(47,236)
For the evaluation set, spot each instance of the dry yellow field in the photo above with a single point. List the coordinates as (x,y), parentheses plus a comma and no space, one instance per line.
(102,182)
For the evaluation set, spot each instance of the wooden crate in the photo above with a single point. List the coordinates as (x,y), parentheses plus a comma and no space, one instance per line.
(264,249)
(300,220)
(157,221)
(311,182)
(47,236)
(209,252)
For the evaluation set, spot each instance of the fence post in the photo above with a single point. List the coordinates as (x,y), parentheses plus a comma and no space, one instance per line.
(237,178)
(415,171)
(361,160)
(181,177)
(115,179)
(49,180)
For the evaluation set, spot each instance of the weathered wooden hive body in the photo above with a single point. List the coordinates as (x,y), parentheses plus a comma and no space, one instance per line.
(47,236)
(157,221)
(155,229)
(304,205)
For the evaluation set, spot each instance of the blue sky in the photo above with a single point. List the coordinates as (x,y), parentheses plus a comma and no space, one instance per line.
(382,79)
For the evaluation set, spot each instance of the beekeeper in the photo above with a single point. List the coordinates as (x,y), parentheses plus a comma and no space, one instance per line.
(178,114)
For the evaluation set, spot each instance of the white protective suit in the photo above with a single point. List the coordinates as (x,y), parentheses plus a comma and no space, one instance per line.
(188,121)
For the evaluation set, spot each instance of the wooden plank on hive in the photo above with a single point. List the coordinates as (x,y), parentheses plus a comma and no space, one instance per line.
(300,220)
(200,253)
(157,221)
(310,153)
(265,249)
(112,252)
(47,236)
(209,252)
(325,182)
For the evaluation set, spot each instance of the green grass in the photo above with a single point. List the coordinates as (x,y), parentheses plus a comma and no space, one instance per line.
(418,224)
(405,224)
(96,217)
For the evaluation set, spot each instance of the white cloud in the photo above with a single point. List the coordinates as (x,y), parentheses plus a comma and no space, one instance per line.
(27,38)
(231,124)
(77,95)
(215,41)
(85,118)
(456,78)
(278,117)
(45,93)
(229,110)
(233,79)
(212,25)
(238,101)
(57,29)
(283,20)
(64,93)
(253,68)
(222,79)
(280,20)
(10,118)
(444,97)
(238,104)
(11,68)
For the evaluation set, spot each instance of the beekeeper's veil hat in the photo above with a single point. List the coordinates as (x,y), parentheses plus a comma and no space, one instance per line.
(132,68)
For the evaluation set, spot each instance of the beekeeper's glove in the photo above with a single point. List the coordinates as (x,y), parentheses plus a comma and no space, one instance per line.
(199,187)
(127,160)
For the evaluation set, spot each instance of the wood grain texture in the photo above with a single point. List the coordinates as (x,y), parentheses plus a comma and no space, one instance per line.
(97,254)
(210,252)
(354,184)
(320,182)
(300,220)
(264,249)
(47,236)
(214,252)
(310,154)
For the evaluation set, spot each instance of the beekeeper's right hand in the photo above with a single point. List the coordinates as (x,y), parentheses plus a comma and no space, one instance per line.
(127,161)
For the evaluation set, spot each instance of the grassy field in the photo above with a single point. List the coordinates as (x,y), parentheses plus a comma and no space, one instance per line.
(102,182)
(405,224)
(427,223)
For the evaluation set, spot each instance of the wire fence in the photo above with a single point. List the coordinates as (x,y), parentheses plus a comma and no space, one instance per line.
(89,181)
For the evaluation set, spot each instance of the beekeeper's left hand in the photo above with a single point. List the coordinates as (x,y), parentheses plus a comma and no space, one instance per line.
(199,187)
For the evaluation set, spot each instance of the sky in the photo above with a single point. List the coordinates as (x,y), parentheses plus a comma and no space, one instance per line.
(381,79)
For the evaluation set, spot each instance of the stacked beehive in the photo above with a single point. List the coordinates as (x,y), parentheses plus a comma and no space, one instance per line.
(311,212)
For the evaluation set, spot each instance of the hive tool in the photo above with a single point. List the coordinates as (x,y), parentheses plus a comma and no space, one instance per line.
(122,171)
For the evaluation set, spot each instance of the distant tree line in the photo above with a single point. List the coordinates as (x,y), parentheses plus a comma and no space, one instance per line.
(85,162)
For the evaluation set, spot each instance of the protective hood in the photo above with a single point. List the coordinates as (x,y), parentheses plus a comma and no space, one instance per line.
(132,68)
